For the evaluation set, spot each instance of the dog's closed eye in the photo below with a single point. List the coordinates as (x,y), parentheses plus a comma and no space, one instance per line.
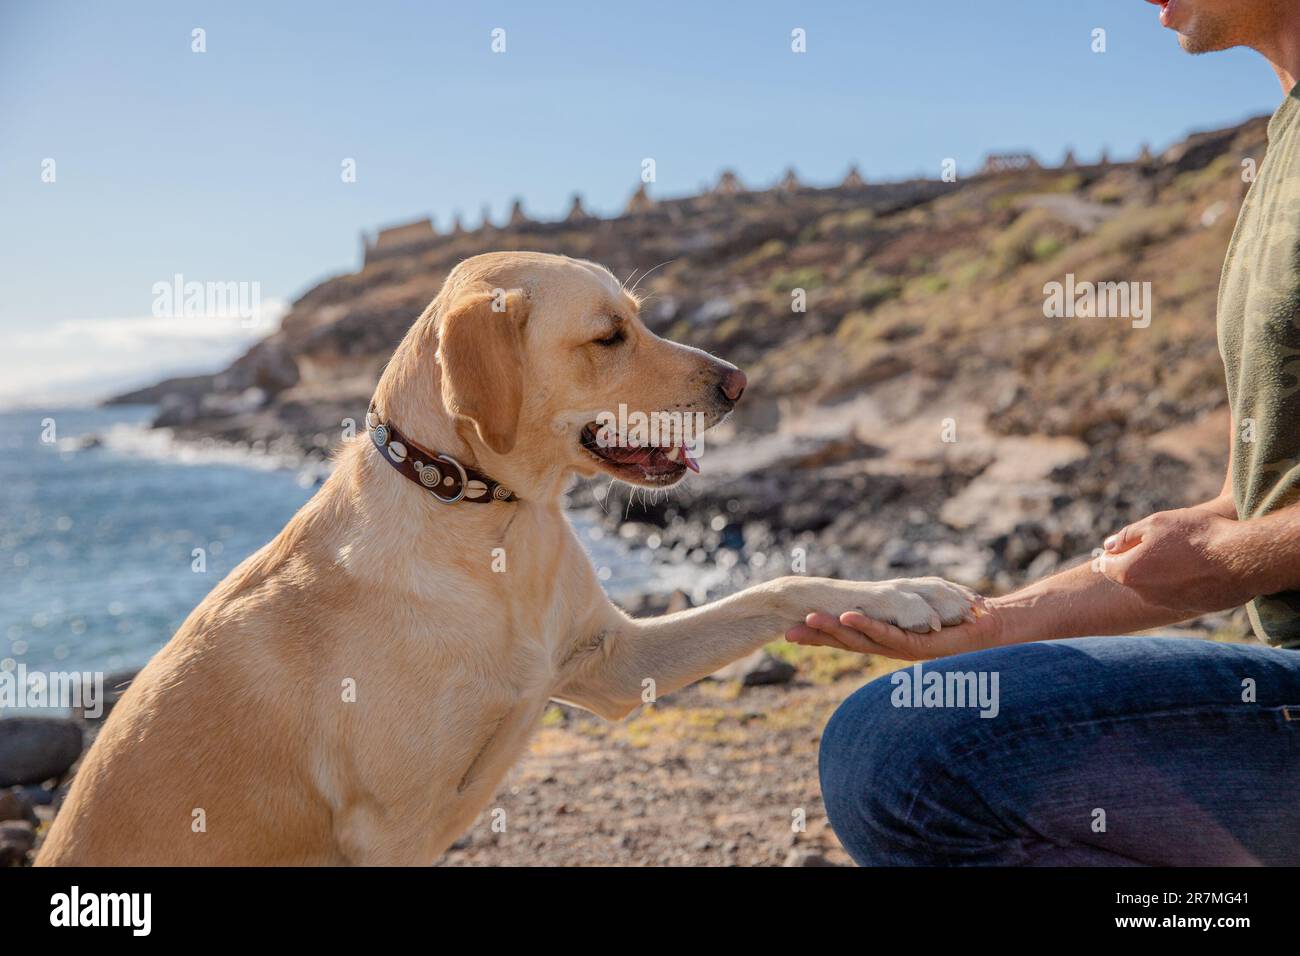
(615,337)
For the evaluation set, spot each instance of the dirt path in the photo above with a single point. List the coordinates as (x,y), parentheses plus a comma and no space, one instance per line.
(712,775)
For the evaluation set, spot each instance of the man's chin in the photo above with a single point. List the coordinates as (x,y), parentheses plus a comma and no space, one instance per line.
(1206,35)
(1197,45)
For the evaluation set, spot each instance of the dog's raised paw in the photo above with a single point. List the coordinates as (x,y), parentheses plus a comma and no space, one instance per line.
(927,604)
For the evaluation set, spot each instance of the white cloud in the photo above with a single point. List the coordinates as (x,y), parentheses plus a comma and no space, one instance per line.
(77,361)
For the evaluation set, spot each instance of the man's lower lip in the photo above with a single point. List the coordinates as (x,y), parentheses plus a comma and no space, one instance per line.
(1166,12)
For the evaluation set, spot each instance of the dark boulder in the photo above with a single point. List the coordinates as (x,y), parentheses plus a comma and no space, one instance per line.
(757,668)
(33,749)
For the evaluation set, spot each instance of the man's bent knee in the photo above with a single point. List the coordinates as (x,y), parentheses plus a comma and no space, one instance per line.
(866,743)
(889,762)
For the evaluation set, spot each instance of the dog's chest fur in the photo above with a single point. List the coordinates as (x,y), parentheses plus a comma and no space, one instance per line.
(472,671)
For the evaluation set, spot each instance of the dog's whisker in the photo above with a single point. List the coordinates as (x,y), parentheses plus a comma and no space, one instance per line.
(647,273)
(603,500)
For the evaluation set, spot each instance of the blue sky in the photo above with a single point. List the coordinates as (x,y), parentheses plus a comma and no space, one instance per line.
(225,165)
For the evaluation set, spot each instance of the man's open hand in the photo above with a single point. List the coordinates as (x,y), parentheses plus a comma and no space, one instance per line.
(857,632)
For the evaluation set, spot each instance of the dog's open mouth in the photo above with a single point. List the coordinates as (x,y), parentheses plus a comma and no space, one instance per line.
(638,464)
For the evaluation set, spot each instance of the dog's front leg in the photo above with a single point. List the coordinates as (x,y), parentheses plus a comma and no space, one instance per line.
(617,659)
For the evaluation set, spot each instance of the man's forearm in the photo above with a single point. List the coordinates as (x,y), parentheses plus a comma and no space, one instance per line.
(1262,553)
(1077,602)
(1169,567)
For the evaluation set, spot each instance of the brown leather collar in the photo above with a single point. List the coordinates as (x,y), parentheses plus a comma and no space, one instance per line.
(441,475)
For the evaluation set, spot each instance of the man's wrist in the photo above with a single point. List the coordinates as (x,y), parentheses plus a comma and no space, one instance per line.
(1018,618)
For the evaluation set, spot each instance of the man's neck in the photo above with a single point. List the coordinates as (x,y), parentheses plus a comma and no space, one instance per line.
(1286,74)
(1281,47)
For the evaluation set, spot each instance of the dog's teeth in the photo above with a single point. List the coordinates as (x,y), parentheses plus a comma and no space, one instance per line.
(674,453)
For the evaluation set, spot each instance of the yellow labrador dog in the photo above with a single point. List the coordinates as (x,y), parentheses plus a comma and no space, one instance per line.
(355,691)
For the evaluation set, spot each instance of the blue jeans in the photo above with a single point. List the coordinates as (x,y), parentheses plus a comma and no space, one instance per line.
(1098,751)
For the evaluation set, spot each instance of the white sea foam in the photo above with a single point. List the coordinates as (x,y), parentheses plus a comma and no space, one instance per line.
(161,444)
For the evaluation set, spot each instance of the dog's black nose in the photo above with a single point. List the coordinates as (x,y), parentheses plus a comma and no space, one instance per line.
(733,384)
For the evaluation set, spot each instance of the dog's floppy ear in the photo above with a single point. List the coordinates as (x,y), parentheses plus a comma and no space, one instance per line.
(480,349)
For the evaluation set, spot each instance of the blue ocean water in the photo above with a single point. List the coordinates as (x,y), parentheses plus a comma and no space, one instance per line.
(97,538)
(96,543)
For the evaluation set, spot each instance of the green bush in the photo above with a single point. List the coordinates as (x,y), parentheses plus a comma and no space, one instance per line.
(807,278)
(872,289)
(1027,240)
(1133,230)
(1045,247)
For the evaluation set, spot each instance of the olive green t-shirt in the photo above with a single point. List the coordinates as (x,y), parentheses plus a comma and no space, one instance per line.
(1259,339)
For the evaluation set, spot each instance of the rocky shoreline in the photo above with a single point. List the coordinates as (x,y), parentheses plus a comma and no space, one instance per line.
(842,504)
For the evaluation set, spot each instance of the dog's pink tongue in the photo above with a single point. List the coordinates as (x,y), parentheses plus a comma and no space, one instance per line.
(691,463)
